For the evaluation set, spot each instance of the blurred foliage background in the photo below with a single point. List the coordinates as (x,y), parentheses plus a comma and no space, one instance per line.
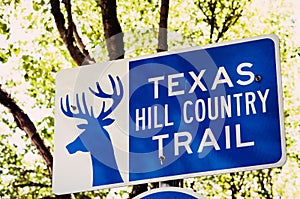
(31,53)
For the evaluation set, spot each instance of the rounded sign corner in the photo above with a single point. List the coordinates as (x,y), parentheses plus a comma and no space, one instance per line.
(274,38)
(56,191)
(60,74)
(282,159)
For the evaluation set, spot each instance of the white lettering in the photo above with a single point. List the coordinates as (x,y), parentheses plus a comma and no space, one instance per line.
(160,143)
(226,105)
(149,118)
(227,137)
(185,144)
(198,118)
(186,119)
(197,81)
(249,102)
(167,122)
(172,84)
(213,142)
(237,96)
(156,124)
(139,119)
(263,99)
(245,73)
(210,106)
(155,80)
(218,80)
(238,138)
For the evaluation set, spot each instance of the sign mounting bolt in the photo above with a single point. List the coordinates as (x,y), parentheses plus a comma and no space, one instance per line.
(258,78)
(162,159)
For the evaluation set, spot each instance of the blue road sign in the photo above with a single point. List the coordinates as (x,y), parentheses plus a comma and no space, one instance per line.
(199,111)
(170,193)
(208,110)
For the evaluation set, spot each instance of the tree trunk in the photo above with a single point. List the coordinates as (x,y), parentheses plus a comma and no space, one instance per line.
(163,27)
(163,46)
(115,46)
(112,30)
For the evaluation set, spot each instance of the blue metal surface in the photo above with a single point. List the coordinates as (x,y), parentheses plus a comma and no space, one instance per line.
(259,127)
(170,193)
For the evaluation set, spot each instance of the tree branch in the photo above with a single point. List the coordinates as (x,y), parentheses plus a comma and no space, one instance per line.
(213,22)
(31,184)
(230,19)
(228,13)
(79,41)
(69,34)
(25,124)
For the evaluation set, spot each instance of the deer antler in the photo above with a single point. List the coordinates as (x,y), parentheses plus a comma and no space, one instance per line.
(115,96)
(81,113)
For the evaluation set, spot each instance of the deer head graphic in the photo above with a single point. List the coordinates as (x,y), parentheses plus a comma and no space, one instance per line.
(94,138)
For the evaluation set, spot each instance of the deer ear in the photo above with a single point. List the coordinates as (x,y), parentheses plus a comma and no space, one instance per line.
(107,122)
(82,126)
